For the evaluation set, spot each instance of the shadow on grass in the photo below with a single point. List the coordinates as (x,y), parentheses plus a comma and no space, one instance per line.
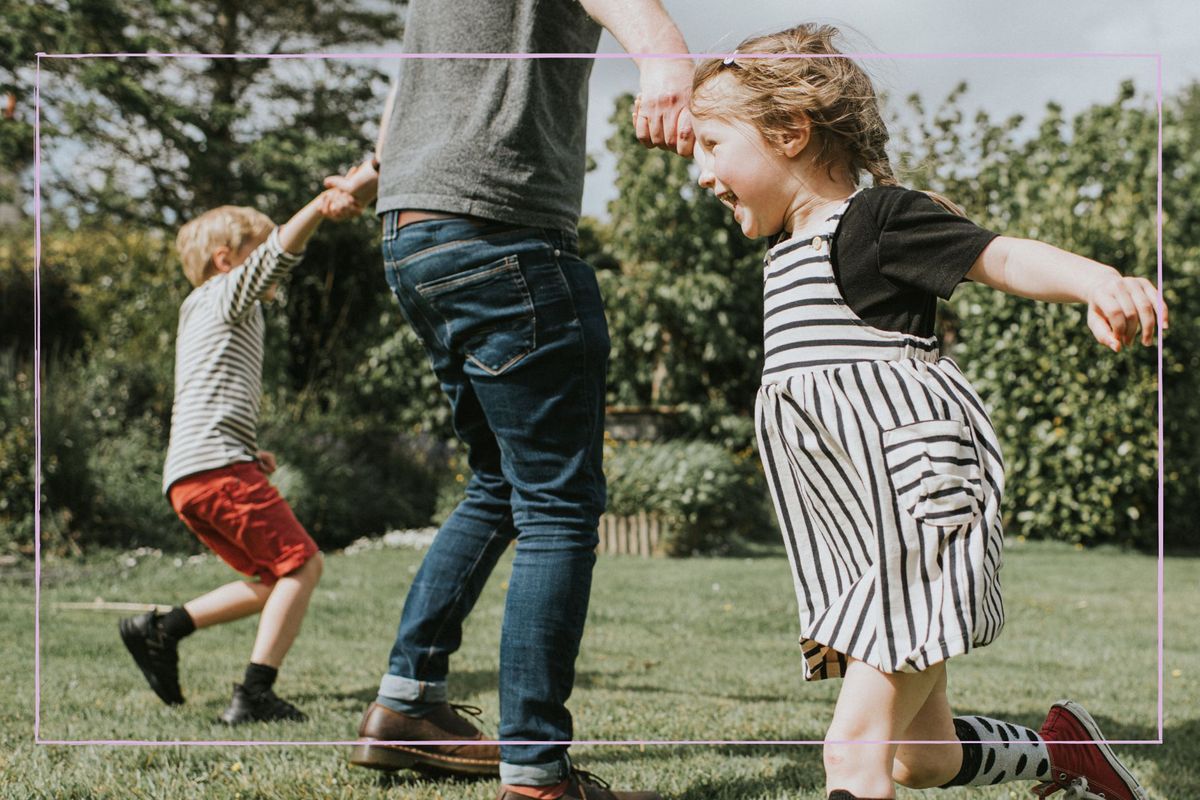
(614,682)
(463,683)
(413,778)
(468,683)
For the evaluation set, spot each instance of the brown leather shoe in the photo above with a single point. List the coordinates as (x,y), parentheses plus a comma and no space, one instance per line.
(586,786)
(380,724)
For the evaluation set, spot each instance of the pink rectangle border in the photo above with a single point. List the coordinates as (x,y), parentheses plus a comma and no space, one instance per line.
(37,196)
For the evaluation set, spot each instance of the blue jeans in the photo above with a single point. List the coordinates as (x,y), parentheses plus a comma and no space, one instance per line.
(514,326)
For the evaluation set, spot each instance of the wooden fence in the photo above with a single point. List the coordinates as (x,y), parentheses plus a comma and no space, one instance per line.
(638,534)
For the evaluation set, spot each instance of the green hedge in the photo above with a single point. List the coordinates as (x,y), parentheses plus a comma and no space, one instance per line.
(711,501)
(346,480)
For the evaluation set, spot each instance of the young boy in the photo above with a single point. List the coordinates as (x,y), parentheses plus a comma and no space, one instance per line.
(215,475)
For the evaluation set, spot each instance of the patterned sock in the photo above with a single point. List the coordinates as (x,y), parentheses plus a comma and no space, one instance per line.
(177,623)
(998,752)
(259,678)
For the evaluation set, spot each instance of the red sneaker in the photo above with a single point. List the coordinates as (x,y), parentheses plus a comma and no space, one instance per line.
(1083,771)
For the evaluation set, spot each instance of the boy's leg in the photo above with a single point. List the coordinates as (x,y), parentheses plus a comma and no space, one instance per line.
(283,612)
(289,565)
(873,708)
(153,639)
(227,603)
(284,609)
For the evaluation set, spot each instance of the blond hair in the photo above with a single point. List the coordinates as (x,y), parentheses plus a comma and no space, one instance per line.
(833,93)
(224,226)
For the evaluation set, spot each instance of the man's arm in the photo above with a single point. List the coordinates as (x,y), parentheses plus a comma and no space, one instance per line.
(643,26)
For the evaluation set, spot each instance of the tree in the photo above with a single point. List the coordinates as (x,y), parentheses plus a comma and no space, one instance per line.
(131,148)
(168,136)
(154,141)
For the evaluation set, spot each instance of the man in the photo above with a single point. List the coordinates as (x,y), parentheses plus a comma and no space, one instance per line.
(479,177)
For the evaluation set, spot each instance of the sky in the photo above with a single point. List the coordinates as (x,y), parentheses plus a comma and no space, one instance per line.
(942,27)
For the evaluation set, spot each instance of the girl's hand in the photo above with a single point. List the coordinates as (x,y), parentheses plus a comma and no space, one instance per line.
(1118,306)
(266,460)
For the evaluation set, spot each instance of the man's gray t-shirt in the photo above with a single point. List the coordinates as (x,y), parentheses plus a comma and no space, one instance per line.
(502,139)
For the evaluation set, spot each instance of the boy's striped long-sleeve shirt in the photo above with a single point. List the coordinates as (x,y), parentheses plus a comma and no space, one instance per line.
(218,365)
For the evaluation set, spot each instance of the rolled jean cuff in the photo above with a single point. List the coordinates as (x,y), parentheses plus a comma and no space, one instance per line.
(411,690)
(547,774)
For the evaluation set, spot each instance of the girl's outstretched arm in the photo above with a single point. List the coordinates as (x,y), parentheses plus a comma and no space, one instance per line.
(1117,305)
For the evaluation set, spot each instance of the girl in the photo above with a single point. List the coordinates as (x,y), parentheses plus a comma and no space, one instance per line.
(883,465)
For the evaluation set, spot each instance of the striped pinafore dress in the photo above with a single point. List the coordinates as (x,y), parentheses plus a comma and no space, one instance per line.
(885,473)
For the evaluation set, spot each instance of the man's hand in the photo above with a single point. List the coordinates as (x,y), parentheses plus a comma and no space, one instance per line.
(660,114)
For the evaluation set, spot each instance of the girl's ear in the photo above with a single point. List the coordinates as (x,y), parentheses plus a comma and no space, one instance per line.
(797,139)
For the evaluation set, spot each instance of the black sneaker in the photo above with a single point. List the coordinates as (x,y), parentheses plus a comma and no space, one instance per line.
(262,707)
(156,654)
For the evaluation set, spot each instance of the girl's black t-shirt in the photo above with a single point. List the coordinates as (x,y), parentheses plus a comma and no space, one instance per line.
(896,251)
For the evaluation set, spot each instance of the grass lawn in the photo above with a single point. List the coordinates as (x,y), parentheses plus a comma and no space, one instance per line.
(674,650)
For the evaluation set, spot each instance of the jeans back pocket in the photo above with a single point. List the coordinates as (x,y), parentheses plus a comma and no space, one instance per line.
(935,472)
(487,313)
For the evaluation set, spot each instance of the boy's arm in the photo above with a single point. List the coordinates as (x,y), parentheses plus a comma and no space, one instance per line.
(294,234)
(1117,305)
(643,26)
(269,264)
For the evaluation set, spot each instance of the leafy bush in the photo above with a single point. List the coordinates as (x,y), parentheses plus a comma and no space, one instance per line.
(710,501)
(394,386)
(17,491)
(129,508)
(345,480)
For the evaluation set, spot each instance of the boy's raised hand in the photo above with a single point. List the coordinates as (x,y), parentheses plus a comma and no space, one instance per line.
(1119,306)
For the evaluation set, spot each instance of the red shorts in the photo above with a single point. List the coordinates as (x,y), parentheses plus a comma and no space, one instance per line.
(244,520)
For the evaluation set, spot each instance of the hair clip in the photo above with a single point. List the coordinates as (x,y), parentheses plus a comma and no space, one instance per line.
(730,61)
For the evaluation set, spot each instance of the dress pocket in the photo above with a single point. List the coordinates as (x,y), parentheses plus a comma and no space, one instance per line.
(934,469)
(487,313)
